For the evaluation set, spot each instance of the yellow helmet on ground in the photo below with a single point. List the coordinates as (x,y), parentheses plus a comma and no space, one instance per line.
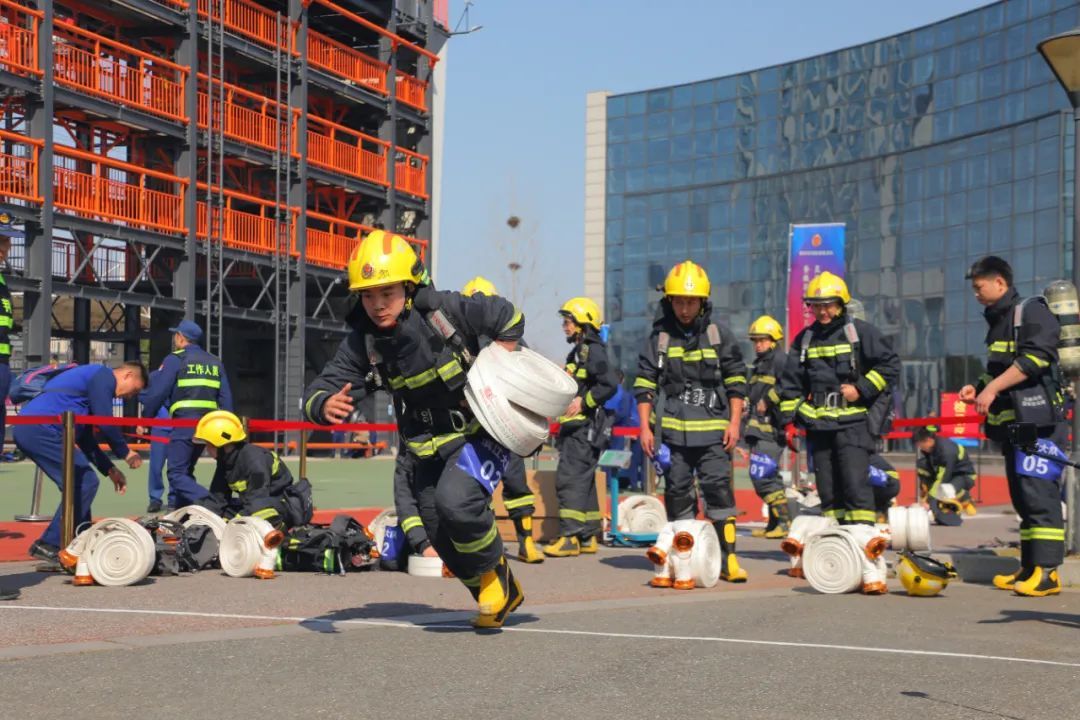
(383,258)
(583,311)
(766,326)
(219,427)
(827,287)
(923,576)
(687,279)
(480,285)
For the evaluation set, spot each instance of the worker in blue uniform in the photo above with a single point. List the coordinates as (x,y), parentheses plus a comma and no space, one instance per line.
(155,479)
(84,390)
(190,383)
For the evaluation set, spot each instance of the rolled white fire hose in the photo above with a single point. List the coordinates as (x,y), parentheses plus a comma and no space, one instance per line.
(802,529)
(422,566)
(529,380)
(386,518)
(687,553)
(641,514)
(833,562)
(909,528)
(249,547)
(193,515)
(114,552)
(521,428)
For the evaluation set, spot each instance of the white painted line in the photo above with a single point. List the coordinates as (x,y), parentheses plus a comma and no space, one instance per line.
(419,625)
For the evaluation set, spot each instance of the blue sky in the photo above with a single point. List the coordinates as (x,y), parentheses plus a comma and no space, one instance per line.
(515,113)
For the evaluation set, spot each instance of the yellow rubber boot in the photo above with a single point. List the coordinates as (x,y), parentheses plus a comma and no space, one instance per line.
(1041,582)
(500,594)
(590,546)
(527,549)
(566,546)
(729,568)
(779,509)
(1008,581)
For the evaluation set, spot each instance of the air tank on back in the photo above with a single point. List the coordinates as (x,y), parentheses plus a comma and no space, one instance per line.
(855,310)
(1062,299)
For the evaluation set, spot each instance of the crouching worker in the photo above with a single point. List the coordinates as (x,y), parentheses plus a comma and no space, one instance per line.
(250,480)
(416,343)
(84,390)
(946,476)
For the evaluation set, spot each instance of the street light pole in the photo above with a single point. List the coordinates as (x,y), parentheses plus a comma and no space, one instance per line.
(1062,54)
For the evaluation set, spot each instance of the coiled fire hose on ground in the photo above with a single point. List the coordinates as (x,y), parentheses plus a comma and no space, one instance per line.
(197,515)
(686,555)
(114,552)
(845,559)
(909,528)
(641,514)
(249,547)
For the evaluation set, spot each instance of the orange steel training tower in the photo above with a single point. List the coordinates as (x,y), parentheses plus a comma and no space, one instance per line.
(215,160)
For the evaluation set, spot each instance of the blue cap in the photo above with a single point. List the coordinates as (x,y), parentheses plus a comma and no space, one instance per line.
(6,229)
(190,330)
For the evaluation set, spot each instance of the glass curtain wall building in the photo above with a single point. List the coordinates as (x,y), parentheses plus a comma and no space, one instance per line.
(934,146)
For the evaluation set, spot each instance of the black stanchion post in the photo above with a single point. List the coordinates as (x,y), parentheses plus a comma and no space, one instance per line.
(67,525)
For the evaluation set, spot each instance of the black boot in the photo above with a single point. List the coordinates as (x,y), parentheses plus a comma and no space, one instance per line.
(729,564)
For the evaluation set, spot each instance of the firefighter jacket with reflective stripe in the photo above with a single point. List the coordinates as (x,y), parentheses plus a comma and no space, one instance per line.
(945,461)
(252,480)
(764,376)
(190,383)
(1036,355)
(7,322)
(588,363)
(698,379)
(810,386)
(423,371)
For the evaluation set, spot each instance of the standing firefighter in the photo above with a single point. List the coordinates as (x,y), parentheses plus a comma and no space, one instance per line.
(416,343)
(691,385)
(764,432)
(834,386)
(1020,386)
(518,499)
(584,431)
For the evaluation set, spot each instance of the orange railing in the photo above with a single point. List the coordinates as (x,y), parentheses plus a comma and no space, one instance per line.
(336,147)
(249,117)
(250,20)
(350,64)
(101,188)
(411,91)
(18,38)
(19,167)
(97,65)
(245,223)
(330,240)
(410,172)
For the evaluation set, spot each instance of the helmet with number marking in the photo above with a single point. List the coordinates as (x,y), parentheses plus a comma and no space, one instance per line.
(383,258)
(687,279)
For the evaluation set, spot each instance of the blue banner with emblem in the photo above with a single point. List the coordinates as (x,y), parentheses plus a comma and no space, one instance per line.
(1043,467)
(814,249)
(485,461)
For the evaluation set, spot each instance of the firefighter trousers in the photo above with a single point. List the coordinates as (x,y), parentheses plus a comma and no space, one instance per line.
(773,483)
(711,465)
(575,484)
(841,467)
(517,497)
(1038,503)
(457,516)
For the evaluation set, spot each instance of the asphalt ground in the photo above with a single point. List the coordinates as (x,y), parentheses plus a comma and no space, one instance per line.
(591,638)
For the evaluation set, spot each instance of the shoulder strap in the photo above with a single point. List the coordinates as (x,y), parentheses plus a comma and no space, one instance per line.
(851,333)
(713,334)
(663,342)
(441,324)
(804,344)
(1018,319)
(339,526)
